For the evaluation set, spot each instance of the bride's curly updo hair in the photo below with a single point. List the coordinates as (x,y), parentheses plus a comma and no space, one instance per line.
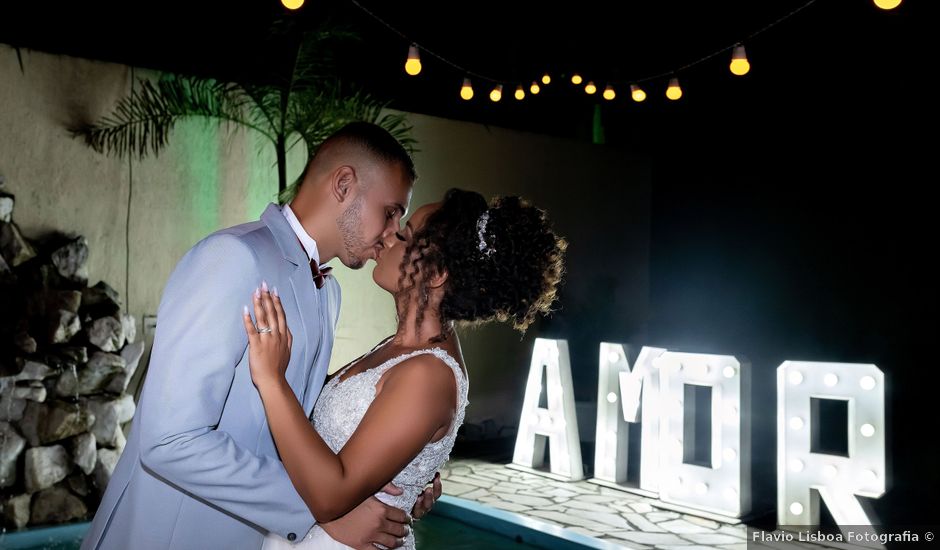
(503,260)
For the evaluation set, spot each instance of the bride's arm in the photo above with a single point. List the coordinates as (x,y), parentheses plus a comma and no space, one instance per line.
(418,397)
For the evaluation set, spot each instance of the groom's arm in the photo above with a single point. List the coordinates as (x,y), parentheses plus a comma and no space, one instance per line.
(199,341)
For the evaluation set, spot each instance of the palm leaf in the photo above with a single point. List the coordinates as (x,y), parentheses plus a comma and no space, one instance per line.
(143,121)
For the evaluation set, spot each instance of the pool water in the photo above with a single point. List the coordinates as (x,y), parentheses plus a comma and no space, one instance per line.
(431,532)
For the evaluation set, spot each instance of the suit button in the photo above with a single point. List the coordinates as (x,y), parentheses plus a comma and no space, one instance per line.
(291,537)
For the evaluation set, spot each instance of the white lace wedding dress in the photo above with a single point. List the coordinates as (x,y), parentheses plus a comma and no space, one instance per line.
(338,411)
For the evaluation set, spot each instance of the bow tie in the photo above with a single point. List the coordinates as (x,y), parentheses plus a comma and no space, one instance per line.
(319,275)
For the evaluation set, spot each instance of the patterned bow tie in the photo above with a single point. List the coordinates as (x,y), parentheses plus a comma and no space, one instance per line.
(319,275)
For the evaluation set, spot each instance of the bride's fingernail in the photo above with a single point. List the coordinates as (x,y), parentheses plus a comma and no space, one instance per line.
(407,530)
(245,310)
(275,292)
(257,293)
(264,286)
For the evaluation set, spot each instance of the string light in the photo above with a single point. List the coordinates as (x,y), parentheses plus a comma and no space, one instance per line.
(637,93)
(887,4)
(609,93)
(497,93)
(413,65)
(673,92)
(739,64)
(292,4)
(466,91)
(520,93)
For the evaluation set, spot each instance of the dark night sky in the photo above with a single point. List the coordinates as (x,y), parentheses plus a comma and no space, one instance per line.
(791,217)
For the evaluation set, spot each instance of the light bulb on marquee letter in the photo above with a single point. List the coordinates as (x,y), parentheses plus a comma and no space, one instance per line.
(558,423)
(837,479)
(729,469)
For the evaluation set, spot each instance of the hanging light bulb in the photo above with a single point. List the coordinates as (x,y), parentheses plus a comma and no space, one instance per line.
(534,88)
(292,4)
(520,93)
(609,92)
(637,93)
(673,92)
(887,4)
(497,93)
(413,65)
(546,79)
(466,91)
(590,88)
(739,64)
(576,79)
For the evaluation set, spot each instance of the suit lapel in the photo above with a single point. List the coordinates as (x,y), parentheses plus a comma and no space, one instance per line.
(309,339)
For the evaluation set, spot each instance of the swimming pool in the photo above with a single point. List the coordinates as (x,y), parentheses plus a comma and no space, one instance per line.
(455,524)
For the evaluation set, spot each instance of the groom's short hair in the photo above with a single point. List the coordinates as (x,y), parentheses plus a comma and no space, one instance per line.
(368,139)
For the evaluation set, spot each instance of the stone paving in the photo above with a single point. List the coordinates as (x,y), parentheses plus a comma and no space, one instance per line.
(623,518)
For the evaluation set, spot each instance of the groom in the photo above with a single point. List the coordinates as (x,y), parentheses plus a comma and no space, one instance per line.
(200,469)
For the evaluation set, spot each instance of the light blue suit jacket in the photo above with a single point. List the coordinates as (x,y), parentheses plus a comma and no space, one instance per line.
(200,469)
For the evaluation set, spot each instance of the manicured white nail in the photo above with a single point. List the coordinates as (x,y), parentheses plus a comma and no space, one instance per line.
(257,293)
(275,292)
(245,310)
(264,286)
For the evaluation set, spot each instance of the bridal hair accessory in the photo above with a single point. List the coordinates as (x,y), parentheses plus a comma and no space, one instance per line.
(484,248)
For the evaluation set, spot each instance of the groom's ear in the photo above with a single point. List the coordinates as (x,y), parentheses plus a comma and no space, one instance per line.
(342,183)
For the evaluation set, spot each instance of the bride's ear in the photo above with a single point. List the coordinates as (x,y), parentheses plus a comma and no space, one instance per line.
(438,279)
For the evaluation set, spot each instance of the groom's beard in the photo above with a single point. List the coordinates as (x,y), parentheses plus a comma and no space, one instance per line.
(350,222)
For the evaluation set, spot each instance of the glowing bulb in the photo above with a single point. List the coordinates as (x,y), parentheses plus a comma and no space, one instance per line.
(887,4)
(497,93)
(590,88)
(795,377)
(731,414)
(830,380)
(534,88)
(701,488)
(609,92)
(867,382)
(871,476)
(731,494)
(673,92)
(546,79)
(729,454)
(637,93)
(796,465)
(520,93)
(739,64)
(796,508)
(727,371)
(292,4)
(576,79)
(796,422)
(867,430)
(466,91)
(613,357)
(830,471)
(413,65)
(611,397)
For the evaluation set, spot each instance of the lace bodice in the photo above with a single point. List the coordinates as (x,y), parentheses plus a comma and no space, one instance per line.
(342,404)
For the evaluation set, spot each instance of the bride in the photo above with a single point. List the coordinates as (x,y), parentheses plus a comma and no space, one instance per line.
(393,414)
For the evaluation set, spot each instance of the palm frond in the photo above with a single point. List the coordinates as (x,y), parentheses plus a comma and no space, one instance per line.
(143,121)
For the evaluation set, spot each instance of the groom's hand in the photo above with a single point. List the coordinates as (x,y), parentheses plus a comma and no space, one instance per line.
(370,522)
(427,498)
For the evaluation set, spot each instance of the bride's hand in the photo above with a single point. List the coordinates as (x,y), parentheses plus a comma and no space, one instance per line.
(269,343)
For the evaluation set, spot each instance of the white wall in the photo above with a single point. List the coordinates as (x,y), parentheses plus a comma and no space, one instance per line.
(207,179)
